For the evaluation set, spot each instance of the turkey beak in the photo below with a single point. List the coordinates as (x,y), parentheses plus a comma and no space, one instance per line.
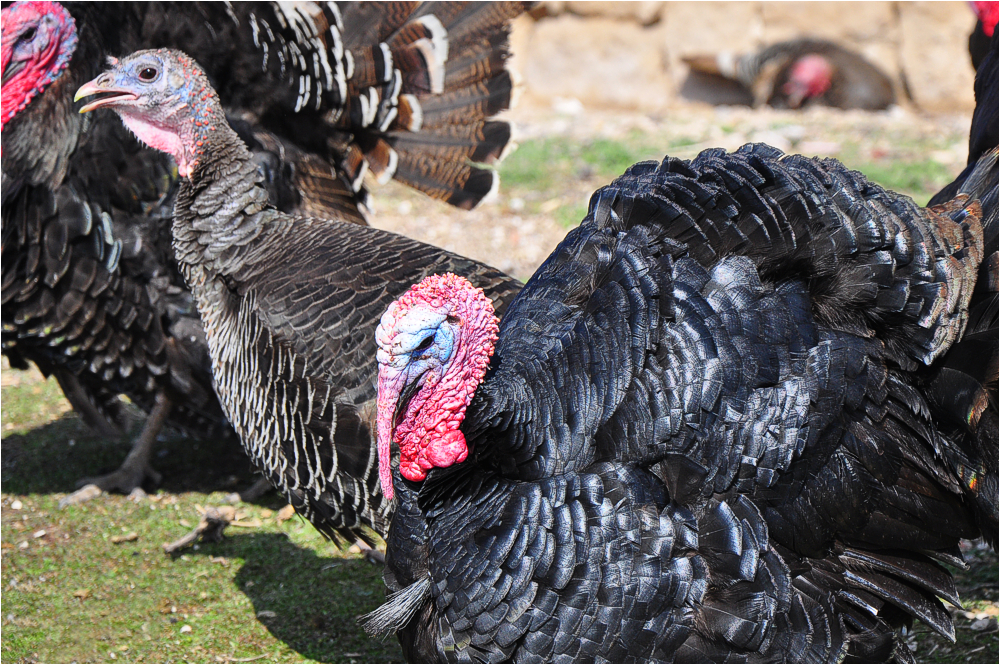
(102,86)
(11,70)
(405,395)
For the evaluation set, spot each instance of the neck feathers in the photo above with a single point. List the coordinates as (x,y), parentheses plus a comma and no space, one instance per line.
(221,206)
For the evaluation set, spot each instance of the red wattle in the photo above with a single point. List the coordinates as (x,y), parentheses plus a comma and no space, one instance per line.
(429,435)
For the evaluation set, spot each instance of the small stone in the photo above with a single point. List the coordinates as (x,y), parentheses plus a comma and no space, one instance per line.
(39,534)
(85,493)
(23,545)
(986,623)
(266,614)
(567,105)
(82,594)
(16,505)
(185,628)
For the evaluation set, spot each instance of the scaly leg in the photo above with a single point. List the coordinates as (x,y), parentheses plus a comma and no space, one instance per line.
(136,466)
(252,493)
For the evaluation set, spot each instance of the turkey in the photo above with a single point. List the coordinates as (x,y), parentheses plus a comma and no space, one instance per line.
(987,15)
(698,433)
(289,303)
(793,73)
(963,398)
(328,97)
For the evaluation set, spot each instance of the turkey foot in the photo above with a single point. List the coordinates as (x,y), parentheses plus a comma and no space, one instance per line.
(135,468)
(252,493)
(373,555)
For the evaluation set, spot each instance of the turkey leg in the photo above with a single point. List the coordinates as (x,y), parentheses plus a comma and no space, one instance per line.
(136,466)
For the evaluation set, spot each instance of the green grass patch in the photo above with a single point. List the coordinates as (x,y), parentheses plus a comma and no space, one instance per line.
(275,592)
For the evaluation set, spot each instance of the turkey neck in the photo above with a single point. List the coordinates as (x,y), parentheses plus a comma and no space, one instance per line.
(220,209)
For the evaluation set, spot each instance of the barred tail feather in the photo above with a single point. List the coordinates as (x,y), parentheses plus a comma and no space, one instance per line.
(420,99)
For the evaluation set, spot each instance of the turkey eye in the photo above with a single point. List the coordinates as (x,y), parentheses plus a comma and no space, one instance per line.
(28,34)
(426,344)
(147,74)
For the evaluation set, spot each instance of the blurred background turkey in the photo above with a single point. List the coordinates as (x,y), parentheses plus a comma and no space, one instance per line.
(795,73)
(601,87)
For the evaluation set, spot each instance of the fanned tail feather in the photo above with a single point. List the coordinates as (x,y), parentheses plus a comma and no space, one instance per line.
(420,100)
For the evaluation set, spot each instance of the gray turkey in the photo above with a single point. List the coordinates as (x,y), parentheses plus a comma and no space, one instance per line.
(327,96)
(793,73)
(289,303)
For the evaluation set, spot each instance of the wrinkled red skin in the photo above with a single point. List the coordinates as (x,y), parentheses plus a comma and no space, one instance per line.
(428,435)
(56,43)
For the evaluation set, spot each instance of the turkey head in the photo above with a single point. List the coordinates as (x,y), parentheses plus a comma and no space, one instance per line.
(810,76)
(434,345)
(164,97)
(39,39)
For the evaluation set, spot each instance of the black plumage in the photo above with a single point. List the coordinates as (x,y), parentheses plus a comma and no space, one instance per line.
(962,387)
(702,436)
(323,94)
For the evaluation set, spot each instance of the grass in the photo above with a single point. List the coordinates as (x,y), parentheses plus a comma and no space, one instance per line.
(274,592)
(556,175)
(541,166)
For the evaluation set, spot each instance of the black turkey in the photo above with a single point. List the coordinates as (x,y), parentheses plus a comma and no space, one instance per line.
(794,73)
(289,303)
(328,96)
(962,387)
(700,436)
(987,14)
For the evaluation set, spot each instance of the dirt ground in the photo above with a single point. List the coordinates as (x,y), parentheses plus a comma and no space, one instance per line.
(516,228)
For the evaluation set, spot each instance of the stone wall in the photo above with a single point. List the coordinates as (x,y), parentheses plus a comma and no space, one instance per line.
(628,54)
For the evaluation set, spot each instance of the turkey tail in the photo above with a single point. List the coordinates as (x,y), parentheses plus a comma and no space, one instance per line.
(426,79)
(377,91)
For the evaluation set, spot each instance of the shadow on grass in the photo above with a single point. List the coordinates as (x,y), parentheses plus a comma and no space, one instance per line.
(310,603)
(54,456)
